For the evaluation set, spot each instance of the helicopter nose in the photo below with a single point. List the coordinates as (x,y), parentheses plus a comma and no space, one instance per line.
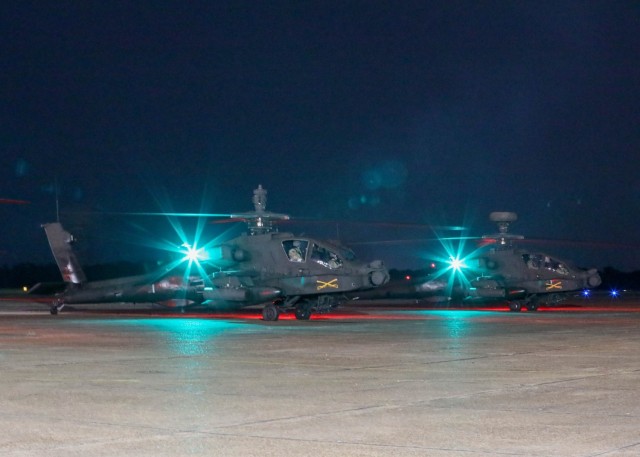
(379,274)
(594,279)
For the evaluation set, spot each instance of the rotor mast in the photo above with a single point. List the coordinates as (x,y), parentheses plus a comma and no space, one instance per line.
(260,221)
(503,220)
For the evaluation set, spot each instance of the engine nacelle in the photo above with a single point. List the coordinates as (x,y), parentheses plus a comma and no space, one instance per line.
(234,253)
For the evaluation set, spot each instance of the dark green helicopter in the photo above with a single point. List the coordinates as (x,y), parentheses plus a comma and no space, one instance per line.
(281,271)
(519,276)
(294,273)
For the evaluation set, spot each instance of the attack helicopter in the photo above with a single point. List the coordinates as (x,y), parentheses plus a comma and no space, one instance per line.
(522,278)
(280,271)
(293,273)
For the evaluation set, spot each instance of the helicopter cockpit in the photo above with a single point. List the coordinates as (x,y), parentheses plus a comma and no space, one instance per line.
(298,250)
(325,257)
(541,261)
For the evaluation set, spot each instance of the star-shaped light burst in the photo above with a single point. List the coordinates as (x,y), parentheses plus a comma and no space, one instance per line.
(458,269)
(457,264)
(191,255)
(194,254)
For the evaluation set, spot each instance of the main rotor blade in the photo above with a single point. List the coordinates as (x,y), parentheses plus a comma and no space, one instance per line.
(411,241)
(13,201)
(151,214)
(383,224)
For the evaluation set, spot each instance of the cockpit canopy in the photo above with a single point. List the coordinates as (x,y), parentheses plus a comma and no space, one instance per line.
(542,261)
(300,251)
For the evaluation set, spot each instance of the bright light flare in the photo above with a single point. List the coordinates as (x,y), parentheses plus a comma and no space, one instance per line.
(193,254)
(453,259)
(457,264)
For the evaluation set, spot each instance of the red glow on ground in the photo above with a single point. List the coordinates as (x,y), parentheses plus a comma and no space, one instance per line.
(369,311)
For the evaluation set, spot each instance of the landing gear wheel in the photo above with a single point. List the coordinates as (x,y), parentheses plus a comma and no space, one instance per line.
(532,307)
(270,313)
(302,312)
(515,307)
(56,306)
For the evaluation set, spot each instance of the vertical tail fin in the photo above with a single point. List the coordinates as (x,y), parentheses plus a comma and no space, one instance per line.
(60,241)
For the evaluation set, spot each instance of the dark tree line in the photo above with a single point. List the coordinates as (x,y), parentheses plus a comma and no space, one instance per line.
(614,279)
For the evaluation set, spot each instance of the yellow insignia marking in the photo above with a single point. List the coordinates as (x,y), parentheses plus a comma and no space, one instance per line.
(554,284)
(333,284)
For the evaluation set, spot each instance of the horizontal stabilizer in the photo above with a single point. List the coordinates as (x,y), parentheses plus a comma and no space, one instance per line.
(47,288)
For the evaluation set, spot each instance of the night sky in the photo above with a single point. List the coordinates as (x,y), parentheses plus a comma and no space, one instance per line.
(411,112)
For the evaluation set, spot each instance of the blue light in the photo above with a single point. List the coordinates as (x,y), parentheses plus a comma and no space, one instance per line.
(586,293)
(614,293)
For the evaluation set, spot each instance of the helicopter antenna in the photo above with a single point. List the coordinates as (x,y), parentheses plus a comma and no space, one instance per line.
(55,183)
(260,199)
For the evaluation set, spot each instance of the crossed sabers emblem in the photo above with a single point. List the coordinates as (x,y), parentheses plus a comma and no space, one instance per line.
(333,284)
(554,284)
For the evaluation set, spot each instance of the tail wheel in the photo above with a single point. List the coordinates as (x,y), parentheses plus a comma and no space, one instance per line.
(56,306)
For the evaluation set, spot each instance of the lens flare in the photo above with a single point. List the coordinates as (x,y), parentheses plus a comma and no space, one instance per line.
(190,256)
(194,254)
(456,262)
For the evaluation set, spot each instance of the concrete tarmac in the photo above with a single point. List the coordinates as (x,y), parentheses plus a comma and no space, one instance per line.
(365,381)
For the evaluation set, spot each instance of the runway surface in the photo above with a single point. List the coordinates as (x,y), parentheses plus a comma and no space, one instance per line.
(366,381)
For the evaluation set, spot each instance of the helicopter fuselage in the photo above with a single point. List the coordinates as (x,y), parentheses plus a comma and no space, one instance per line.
(288,270)
(526,278)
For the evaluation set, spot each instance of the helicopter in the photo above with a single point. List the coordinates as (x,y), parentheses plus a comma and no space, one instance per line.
(280,271)
(522,278)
